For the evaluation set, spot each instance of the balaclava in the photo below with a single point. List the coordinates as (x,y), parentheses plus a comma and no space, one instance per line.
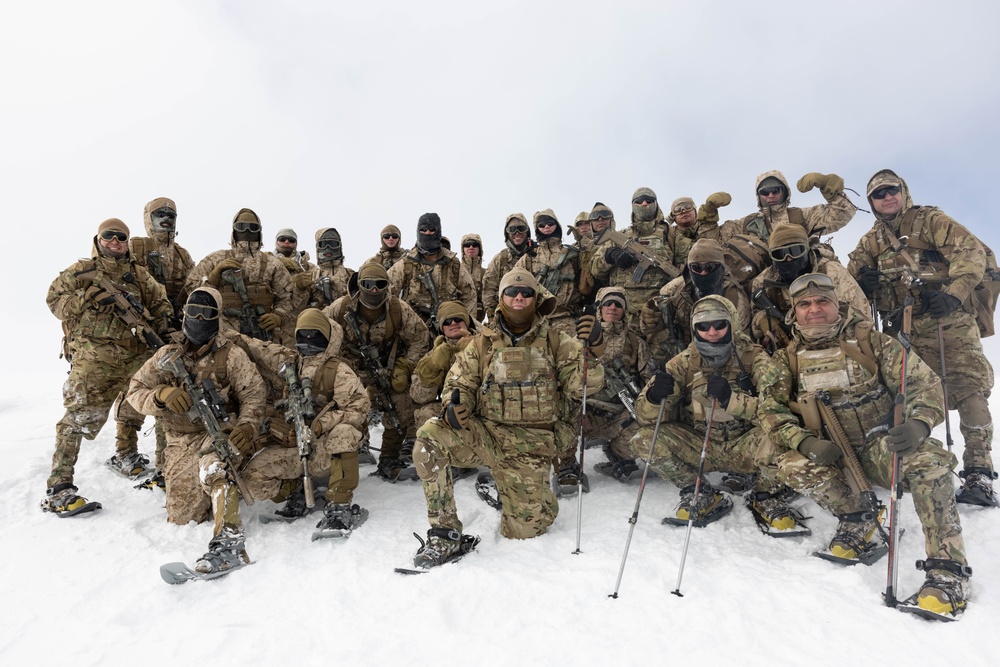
(373,298)
(391,229)
(644,213)
(518,321)
(712,309)
(706,251)
(199,331)
(794,238)
(160,218)
(429,244)
(312,332)
(328,246)
(251,238)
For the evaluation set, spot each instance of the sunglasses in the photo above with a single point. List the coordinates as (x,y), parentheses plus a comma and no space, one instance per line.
(470,245)
(643,200)
(546,222)
(287,239)
(767,192)
(516,290)
(703,269)
(803,283)
(888,190)
(196,311)
(790,252)
(452,320)
(328,243)
(109,235)
(390,236)
(718,325)
(517,229)
(252,227)
(374,283)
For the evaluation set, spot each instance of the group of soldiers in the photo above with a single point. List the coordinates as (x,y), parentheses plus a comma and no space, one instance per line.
(743,347)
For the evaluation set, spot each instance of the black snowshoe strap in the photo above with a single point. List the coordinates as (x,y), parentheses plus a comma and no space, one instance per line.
(954,567)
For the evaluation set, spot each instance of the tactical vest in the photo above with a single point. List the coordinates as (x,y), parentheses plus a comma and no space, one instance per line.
(520,384)
(551,277)
(444,291)
(258,295)
(724,425)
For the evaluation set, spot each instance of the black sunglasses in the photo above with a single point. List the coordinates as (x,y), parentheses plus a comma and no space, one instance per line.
(117,236)
(471,244)
(287,239)
(390,236)
(643,200)
(452,320)
(718,325)
(703,269)
(777,190)
(515,290)
(881,193)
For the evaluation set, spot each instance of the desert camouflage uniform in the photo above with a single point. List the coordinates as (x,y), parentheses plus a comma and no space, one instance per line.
(450,279)
(297,265)
(103,353)
(501,263)
(474,265)
(926,471)
(512,405)
(189,473)
(969,372)
(387,256)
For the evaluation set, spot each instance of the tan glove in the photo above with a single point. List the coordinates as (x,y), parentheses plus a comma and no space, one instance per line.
(401,375)
(709,211)
(174,399)
(431,369)
(290,264)
(456,414)
(271,321)
(242,437)
(819,450)
(302,281)
(830,184)
(215,277)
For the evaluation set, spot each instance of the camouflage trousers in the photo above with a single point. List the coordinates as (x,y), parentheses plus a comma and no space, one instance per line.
(969,378)
(189,476)
(926,475)
(610,428)
(335,455)
(97,378)
(518,457)
(392,439)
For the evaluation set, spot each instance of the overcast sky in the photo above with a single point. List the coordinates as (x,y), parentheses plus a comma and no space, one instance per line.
(358,115)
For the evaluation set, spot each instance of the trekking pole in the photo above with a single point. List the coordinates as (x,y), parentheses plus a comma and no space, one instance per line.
(638,499)
(580,444)
(694,503)
(944,387)
(896,492)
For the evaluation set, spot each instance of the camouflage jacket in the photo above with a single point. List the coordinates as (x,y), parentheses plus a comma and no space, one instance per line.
(557,268)
(621,342)
(339,276)
(450,279)
(680,240)
(429,374)
(498,267)
(406,338)
(387,258)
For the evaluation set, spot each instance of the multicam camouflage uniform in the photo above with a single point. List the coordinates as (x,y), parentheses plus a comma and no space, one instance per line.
(474,265)
(557,268)
(680,240)
(503,262)
(861,398)
(449,277)
(103,352)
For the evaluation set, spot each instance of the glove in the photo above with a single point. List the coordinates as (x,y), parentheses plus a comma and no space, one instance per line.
(431,369)
(612,254)
(868,277)
(905,439)
(174,399)
(99,300)
(456,414)
(242,437)
(271,321)
(830,184)
(589,330)
(940,304)
(401,370)
(303,281)
(290,264)
(719,389)
(661,386)
(709,211)
(626,260)
(819,451)
(215,277)
(317,428)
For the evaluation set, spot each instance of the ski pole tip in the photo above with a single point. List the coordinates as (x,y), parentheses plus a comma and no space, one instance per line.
(613,596)
(677,592)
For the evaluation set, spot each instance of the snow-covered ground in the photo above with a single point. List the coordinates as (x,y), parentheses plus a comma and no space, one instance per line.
(86,591)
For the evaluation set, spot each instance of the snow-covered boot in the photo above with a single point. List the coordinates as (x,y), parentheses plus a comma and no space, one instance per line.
(130,465)
(711,506)
(226,551)
(442,545)
(619,467)
(946,586)
(977,487)
(774,516)
(62,501)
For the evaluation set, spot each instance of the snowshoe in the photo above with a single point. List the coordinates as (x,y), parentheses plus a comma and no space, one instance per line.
(294,509)
(340,520)
(775,517)
(393,470)
(129,466)
(711,507)
(977,487)
(944,595)
(154,481)
(62,501)
(853,544)
(226,553)
(623,469)
(443,545)
(737,482)
(486,488)
(569,480)
(365,456)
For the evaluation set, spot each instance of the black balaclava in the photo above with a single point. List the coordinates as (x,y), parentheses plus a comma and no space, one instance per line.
(710,283)
(329,248)
(429,244)
(791,269)
(310,342)
(196,330)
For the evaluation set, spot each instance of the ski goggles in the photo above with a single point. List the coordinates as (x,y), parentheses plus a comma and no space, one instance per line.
(517,290)
(881,193)
(703,269)
(718,325)
(197,311)
(789,252)
(644,199)
(111,235)
(287,239)
(332,244)
(371,284)
(517,229)
(600,215)
(767,192)
(252,227)
(681,208)
(811,283)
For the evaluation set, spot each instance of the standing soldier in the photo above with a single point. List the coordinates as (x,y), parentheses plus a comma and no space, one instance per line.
(919,252)
(104,350)
(584,245)
(286,245)
(688,226)
(391,250)
(556,268)
(472,260)
(504,391)
(838,379)
(170,265)
(328,281)
(255,286)
(430,274)
(383,341)
(199,478)
(517,242)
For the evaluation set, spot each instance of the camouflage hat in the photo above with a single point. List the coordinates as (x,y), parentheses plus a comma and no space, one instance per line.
(390,229)
(314,320)
(373,271)
(113,225)
(771,182)
(287,231)
(613,294)
(883,178)
(582,216)
(518,277)
(246,215)
(785,235)
(643,192)
(712,308)
(706,250)
(451,309)
(812,284)
(680,204)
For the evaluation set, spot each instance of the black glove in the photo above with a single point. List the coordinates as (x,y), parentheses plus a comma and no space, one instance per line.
(905,439)
(819,451)
(626,260)
(456,414)
(868,277)
(940,304)
(661,386)
(588,329)
(719,389)
(612,254)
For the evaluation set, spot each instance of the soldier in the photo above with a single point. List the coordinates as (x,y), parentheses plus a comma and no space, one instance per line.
(584,234)
(472,260)
(170,265)
(431,274)
(920,252)
(383,341)
(665,321)
(429,374)
(341,407)
(286,244)
(328,281)
(556,268)
(714,381)
(626,369)
(616,266)
(104,351)
(837,358)
(688,226)
(517,241)
(263,278)
(198,479)
(792,255)
(509,382)
(391,250)
(297,262)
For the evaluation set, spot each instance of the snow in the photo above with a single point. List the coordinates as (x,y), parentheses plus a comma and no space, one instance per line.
(88,590)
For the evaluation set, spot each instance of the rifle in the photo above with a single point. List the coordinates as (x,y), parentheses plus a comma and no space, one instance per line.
(372,365)
(856,477)
(300,410)
(761,300)
(249,314)
(674,345)
(428,282)
(620,381)
(550,276)
(646,257)
(130,310)
(208,408)
(324,286)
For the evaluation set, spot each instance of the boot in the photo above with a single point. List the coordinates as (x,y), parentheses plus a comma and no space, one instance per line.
(853,534)
(619,467)
(130,465)
(295,507)
(946,587)
(570,478)
(62,500)
(773,514)
(977,487)
(225,552)
(711,507)
(442,545)
(342,517)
